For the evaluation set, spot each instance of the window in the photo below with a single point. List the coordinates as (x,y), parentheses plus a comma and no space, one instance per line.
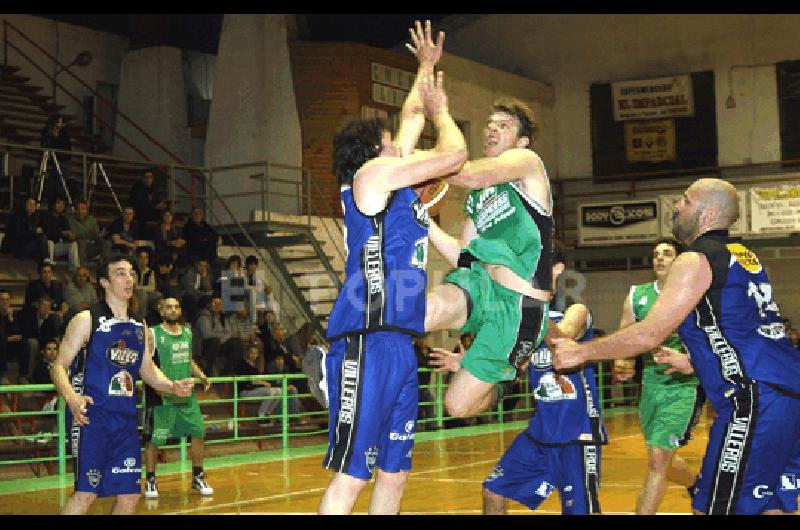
(789,108)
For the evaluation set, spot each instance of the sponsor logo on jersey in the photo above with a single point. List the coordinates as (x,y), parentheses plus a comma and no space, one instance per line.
(772,331)
(119,354)
(371,455)
(522,351)
(789,482)
(555,387)
(545,489)
(94,476)
(140,334)
(567,488)
(761,491)
(420,213)
(496,473)
(104,324)
(419,258)
(408,435)
(129,464)
(746,259)
(542,359)
(121,384)
(492,210)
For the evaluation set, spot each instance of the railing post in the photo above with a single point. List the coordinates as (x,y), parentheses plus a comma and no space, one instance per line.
(62,453)
(235,408)
(601,386)
(284,413)
(266,180)
(183,452)
(500,414)
(439,404)
(308,196)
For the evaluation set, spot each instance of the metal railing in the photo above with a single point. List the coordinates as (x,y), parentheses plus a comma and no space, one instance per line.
(229,421)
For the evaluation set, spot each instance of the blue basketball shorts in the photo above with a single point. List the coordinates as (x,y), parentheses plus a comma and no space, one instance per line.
(107,453)
(752,462)
(373,392)
(528,473)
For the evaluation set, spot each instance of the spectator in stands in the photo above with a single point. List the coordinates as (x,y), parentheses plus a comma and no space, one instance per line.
(25,236)
(239,331)
(38,323)
(47,285)
(153,311)
(124,232)
(10,335)
(167,281)
(60,239)
(292,363)
(197,282)
(280,367)
(168,242)
(253,364)
(41,372)
(298,342)
(234,264)
(55,135)
(80,294)
(145,280)
(144,199)
(91,240)
(209,333)
(201,239)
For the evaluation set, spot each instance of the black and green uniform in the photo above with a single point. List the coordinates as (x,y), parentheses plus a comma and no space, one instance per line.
(670,404)
(172,416)
(516,232)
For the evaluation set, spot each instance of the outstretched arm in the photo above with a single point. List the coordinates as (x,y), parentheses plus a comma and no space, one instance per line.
(412,118)
(511,165)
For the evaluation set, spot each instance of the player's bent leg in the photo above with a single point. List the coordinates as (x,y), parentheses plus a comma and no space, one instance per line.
(341,495)
(446,308)
(493,504)
(388,492)
(679,472)
(125,504)
(79,503)
(655,483)
(467,395)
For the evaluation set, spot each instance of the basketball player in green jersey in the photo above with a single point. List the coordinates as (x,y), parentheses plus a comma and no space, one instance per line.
(670,404)
(173,417)
(501,287)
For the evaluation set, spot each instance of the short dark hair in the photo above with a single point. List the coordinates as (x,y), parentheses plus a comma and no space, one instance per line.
(250,259)
(677,245)
(114,257)
(527,125)
(356,143)
(233,258)
(43,264)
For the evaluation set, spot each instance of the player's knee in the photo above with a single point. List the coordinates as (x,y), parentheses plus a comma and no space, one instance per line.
(659,460)
(396,481)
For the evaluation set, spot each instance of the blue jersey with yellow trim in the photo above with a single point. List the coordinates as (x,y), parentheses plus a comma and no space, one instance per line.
(735,334)
(384,287)
(567,404)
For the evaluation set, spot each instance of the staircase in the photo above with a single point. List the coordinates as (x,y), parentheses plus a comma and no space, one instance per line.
(23,114)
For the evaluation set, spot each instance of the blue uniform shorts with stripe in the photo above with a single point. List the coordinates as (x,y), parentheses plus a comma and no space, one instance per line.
(108,462)
(528,473)
(757,466)
(373,392)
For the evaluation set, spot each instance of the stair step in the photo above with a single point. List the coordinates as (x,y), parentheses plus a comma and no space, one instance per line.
(308,273)
(317,302)
(298,259)
(8,69)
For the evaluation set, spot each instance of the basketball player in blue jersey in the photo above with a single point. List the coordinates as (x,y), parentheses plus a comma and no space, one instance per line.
(371,367)
(106,349)
(719,294)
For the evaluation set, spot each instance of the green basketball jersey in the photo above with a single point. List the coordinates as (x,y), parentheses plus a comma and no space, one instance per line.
(642,298)
(513,231)
(175,356)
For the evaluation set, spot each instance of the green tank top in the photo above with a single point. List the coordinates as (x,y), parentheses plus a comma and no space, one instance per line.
(642,298)
(513,230)
(175,357)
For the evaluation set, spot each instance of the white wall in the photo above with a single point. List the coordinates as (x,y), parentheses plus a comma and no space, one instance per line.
(570,52)
(65,41)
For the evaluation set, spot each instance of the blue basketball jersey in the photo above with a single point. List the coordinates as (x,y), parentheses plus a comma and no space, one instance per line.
(385,279)
(108,366)
(735,335)
(567,404)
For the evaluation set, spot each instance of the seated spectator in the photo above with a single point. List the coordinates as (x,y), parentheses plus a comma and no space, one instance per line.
(49,353)
(46,285)
(263,299)
(201,239)
(234,264)
(88,236)
(208,333)
(278,367)
(60,239)
(55,135)
(293,364)
(38,324)
(10,335)
(197,282)
(124,232)
(169,243)
(145,280)
(265,324)
(298,342)
(253,364)
(144,199)
(80,294)
(25,237)
(239,331)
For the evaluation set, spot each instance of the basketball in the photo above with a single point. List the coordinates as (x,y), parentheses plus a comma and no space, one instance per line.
(431,192)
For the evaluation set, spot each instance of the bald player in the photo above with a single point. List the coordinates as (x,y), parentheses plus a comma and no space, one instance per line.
(719,294)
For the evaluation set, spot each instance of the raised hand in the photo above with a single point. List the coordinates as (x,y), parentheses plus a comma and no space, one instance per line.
(434,99)
(679,362)
(424,49)
(446,361)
